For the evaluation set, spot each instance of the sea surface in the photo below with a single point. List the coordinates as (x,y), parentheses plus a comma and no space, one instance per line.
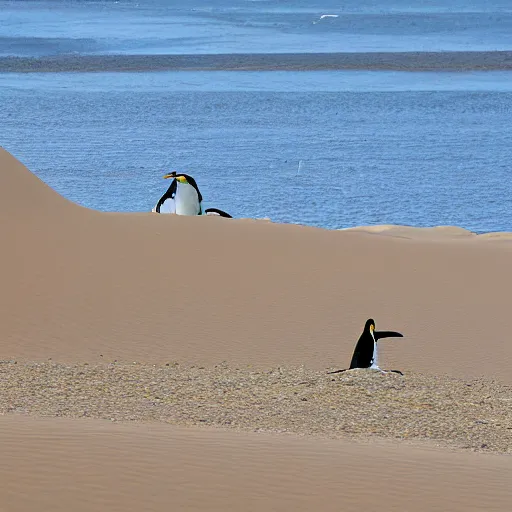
(331,148)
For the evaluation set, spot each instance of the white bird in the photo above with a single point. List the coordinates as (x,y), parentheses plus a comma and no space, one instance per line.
(325,16)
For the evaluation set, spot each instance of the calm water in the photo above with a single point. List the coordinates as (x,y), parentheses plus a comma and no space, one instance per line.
(225,26)
(333,149)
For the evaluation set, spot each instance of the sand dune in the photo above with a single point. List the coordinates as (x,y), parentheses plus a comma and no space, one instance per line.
(130,467)
(77,283)
(84,286)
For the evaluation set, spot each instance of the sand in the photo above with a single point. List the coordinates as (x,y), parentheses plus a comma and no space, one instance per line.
(444,412)
(91,465)
(220,300)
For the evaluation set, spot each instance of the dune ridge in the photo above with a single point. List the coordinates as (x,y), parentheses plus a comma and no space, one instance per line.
(78,283)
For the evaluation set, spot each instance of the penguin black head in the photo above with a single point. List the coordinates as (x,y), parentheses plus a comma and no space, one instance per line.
(184,179)
(171,174)
(369,326)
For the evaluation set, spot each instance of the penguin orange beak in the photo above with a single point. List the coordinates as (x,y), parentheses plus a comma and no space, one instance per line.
(170,175)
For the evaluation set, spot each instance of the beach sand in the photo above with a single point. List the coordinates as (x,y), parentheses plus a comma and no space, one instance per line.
(140,328)
(91,465)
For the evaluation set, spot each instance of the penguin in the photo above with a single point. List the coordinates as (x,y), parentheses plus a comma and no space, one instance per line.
(365,353)
(183,197)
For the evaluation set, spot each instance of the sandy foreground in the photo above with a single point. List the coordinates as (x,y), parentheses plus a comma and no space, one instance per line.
(471,414)
(91,465)
(88,465)
(126,338)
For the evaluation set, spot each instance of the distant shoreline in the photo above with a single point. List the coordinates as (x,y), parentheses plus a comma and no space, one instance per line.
(370,61)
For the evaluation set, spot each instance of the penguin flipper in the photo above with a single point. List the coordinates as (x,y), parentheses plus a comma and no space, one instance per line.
(167,206)
(166,203)
(216,211)
(386,334)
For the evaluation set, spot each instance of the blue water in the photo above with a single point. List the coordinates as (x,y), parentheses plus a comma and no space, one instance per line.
(225,26)
(325,148)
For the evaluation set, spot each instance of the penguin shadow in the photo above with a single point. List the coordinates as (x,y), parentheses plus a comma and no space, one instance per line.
(378,370)
(365,353)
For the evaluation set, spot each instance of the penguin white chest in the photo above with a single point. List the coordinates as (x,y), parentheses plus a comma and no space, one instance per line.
(187,200)
(375,363)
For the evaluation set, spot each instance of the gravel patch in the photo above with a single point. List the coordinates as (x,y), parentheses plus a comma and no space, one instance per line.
(471,414)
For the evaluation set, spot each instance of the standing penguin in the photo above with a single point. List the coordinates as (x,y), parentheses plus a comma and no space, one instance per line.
(365,353)
(184,198)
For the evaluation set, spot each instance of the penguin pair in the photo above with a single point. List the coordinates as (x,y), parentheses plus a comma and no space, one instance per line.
(184,198)
(365,353)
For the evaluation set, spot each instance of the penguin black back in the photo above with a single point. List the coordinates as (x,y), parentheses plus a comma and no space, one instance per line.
(363,356)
